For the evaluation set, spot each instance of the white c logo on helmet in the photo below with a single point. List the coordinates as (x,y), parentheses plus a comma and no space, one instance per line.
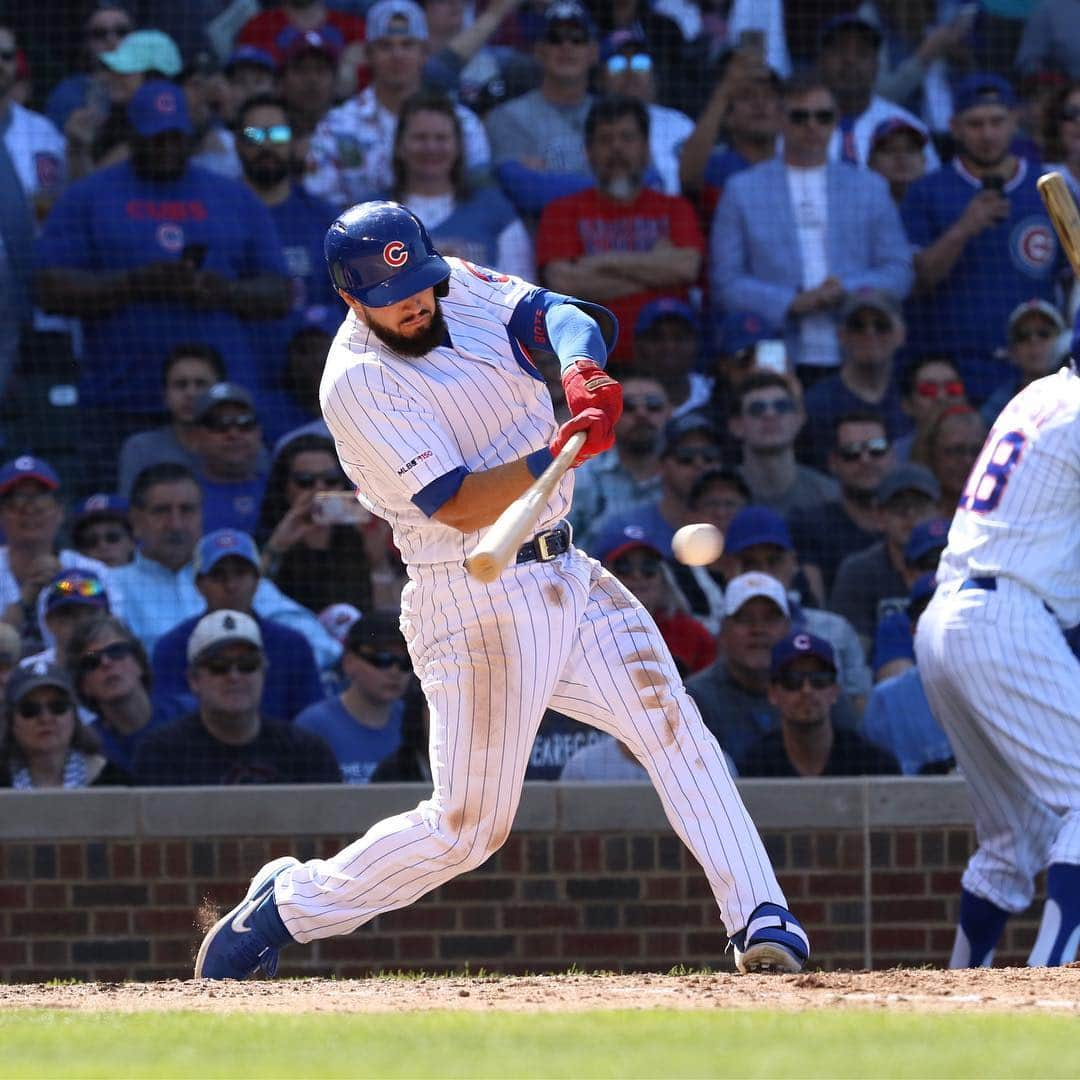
(395,253)
(801,641)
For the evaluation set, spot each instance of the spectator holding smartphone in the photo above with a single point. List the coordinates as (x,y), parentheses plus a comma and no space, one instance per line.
(983,243)
(299,542)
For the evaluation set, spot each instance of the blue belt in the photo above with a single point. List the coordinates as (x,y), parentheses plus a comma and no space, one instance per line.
(987,583)
(543,547)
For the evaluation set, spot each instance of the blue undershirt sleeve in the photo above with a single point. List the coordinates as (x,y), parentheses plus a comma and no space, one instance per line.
(440,491)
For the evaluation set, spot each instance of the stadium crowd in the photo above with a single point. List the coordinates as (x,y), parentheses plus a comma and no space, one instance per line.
(817,223)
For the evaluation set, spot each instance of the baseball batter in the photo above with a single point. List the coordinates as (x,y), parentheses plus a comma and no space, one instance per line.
(442,420)
(1000,676)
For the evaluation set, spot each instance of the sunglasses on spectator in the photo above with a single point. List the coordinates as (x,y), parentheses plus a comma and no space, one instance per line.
(780,406)
(875,448)
(241,422)
(952,388)
(383,659)
(646,568)
(690,455)
(1072,114)
(616,65)
(93,538)
(100,33)
(1041,333)
(796,680)
(117,651)
(824,117)
(31,710)
(308,480)
(8,55)
(246,665)
(652,403)
(879,325)
(84,587)
(567,37)
(277,134)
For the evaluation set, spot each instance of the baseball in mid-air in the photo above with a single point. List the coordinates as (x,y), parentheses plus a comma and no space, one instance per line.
(698,544)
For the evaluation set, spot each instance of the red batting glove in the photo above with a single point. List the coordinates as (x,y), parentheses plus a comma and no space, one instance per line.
(599,434)
(588,386)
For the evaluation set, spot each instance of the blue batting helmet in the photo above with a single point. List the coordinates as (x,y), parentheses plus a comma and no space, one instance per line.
(380,253)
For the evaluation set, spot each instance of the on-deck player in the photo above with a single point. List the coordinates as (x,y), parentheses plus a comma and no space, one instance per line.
(1000,676)
(441,420)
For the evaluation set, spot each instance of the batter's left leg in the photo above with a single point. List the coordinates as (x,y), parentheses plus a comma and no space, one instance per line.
(621,678)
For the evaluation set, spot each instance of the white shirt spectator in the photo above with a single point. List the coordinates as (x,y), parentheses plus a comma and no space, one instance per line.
(352,148)
(668,130)
(37,151)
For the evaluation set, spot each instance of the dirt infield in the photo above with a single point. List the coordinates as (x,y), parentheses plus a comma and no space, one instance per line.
(922,990)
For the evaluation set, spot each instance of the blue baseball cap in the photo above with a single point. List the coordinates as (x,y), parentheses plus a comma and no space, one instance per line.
(159,106)
(27,467)
(325,41)
(739,330)
(849,21)
(621,39)
(569,11)
(888,128)
(666,307)
(253,55)
(75,588)
(983,88)
(925,537)
(101,506)
(756,525)
(798,644)
(221,544)
(682,427)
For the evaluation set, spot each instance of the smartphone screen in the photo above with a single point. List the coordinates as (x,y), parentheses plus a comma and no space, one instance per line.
(772,356)
(338,508)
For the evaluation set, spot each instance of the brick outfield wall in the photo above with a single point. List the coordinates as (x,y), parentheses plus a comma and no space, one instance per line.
(634,899)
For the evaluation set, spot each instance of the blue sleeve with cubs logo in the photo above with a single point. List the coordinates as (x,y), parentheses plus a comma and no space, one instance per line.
(533,325)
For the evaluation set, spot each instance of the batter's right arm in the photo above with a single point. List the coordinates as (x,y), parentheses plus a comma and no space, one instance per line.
(483,496)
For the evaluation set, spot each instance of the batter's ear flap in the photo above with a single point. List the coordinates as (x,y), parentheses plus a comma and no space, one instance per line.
(443,289)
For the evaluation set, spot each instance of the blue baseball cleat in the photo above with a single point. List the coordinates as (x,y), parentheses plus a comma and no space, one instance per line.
(251,935)
(772,941)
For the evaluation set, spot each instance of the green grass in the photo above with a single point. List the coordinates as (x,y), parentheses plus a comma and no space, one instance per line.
(654,1043)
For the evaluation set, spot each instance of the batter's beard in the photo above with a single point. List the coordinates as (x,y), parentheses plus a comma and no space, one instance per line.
(416,345)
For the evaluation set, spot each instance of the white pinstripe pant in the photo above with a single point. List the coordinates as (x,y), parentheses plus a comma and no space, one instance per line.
(491,658)
(1004,684)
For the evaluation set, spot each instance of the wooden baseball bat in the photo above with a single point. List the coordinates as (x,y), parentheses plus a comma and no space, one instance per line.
(1061,207)
(513,526)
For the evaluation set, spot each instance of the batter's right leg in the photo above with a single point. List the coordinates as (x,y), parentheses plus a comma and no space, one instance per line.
(621,678)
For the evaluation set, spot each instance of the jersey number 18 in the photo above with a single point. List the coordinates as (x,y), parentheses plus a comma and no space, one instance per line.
(988,478)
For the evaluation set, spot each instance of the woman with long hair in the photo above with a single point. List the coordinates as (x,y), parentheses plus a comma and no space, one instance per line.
(477,224)
(45,745)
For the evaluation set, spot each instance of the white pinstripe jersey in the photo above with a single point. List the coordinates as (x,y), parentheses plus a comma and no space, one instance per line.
(401,423)
(1019,516)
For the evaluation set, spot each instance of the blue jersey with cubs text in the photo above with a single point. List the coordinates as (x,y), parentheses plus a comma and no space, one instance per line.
(967,312)
(113,221)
